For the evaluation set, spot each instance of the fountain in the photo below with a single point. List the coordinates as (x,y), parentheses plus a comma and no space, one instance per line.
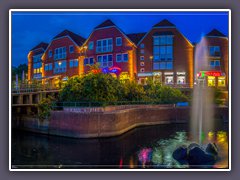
(202,116)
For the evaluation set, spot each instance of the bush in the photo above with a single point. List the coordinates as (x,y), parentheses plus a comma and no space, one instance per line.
(45,107)
(106,89)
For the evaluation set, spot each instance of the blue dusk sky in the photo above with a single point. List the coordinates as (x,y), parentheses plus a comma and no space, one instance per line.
(31,28)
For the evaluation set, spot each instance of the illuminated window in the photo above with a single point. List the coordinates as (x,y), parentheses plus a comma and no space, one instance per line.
(90,45)
(60,67)
(181,80)
(169,80)
(73,63)
(221,81)
(141,63)
(142,58)
(60,53)
(37,58)
(118,41)
(71,49)
(104,45)
(211,80)
(142,45)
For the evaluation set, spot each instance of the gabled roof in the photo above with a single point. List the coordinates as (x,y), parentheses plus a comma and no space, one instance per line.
(42,45)
(135,37)
(215,32)
(106,23)
(164,23)
(79,40)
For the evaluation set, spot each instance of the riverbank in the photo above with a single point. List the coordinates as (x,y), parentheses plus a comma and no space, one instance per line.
(108,123)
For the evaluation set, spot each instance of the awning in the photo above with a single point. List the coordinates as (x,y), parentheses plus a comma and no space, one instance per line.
(144,74)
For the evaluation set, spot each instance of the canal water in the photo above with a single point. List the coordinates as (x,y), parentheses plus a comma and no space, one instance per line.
(143,147)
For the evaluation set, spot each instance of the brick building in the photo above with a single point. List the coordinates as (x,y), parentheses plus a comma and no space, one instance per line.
(61,57)
(112,49)
(165,55)
(216,73)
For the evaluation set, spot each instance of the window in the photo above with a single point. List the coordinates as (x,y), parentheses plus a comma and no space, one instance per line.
(71,49)
(89,61)
(60,53)
(142,46)
(142,58)
(37,58)
(90,45)
(214,64)
(122,57)
(163,52)
(181,79)
(211,81)
(37,67)
(142,70)
(214,50)
(48,67)
(119,57)
(73,63)
(142,51)
(141,63)
(50,53)
(105,60)
(60,67)
(169,80)
(221,81)
(118,41)
(104,45)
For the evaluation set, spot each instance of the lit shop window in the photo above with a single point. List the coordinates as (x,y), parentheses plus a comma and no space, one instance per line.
(124,76)
(169,80)
(181,78)
(88,61)
(221,81)
(48,67)
(118,41)
(214,50)
(105,60)
(90,45)
(104,45)
(73,63)
(60,67)
(157,77)
(211,80)
(71,49)
(60,53)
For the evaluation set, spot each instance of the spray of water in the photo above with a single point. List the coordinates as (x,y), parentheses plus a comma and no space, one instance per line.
(202,104)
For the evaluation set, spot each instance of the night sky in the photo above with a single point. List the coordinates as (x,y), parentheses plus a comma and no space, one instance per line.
(31,28)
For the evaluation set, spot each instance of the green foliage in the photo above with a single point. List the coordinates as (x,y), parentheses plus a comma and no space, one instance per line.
(45,107)
(18,70)
(104,88)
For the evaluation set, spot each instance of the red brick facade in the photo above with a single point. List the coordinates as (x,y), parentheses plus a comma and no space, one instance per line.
(140,56)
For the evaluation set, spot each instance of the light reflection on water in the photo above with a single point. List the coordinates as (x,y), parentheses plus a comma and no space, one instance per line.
(146,147)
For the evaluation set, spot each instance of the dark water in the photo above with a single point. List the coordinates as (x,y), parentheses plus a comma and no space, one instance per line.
(145,147)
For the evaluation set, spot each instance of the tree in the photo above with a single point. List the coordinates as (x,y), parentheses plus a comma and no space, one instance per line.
(18,70)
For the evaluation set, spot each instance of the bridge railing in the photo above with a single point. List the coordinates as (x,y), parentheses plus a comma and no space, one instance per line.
(32,88)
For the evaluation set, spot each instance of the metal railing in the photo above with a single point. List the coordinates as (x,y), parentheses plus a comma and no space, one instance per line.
(24,88)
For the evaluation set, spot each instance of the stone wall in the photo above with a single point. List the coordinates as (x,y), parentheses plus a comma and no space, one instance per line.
(105,124)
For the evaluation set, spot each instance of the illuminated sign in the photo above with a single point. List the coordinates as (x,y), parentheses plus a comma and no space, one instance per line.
(202,74)
(111,70)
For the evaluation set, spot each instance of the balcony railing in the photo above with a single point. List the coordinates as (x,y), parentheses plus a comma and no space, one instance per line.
(59,70)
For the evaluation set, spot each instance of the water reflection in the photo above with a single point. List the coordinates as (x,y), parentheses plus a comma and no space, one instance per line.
(146,147)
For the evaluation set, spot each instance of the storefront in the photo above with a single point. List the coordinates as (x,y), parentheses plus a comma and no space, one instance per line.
(212,78)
